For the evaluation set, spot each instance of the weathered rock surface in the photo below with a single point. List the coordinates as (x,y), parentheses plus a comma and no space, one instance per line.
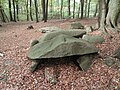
(93,39)
(116,53)
(50,75)
(76,25)
(58,44)
(109,61)
(61,46)
(88,29)
(85,61)
(51,35)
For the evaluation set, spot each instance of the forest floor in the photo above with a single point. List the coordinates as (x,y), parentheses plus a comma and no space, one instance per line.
(14,65)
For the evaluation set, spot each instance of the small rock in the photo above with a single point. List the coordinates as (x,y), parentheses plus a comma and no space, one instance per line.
(3,77)
(50,75)
(30,27)
(116,53)
(109,61)
(93,39)
(89,29)
(1,54)
(76,25)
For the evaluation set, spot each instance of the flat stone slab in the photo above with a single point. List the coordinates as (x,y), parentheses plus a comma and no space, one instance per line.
(61,46)
(49,29)
(51,35)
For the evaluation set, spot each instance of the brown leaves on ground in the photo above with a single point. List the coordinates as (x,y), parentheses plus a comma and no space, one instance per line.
(15,75)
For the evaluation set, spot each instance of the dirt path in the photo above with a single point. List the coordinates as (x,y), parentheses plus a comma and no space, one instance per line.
(14,73)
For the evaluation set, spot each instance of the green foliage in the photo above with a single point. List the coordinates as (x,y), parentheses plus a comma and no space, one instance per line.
(54,8)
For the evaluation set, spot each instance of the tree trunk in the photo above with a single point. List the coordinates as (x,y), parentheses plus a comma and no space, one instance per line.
(86,8)
(108,14)
(61,9)
(113,14)
(79,10)
(46,12)
(96,9)
(10,11)
(82,8)
(36,10)
(74,9)
(43,9)
(27,10)
(14,11)
(17,10)
(31,10)
(89,8)
(51,9)
(102,14)
(69,9)
(2,14)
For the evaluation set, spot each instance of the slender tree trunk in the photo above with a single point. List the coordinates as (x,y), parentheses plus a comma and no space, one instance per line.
(27,10)
(36,10)
(14,11)
(17,10)
(10,11)
(86,8)
(69,13)
(61,9)
(79,9)
(74,9)
(82,8)
(58,10)
(2,14)
(51,8)
(46,12)
(31,10)
(96,9)
(43,9)
(89,9)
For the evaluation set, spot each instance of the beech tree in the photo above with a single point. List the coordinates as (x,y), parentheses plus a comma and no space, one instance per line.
(74,9)
(82,8)
(69,8)
(27,10)
(45,10)
(10,11)
(31,10)
(36,10)
(3,16)
(14,10)
(108,15)
(61,9)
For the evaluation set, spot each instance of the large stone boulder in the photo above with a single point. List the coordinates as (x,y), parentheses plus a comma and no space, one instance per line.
(93,38)
(59,46)
(76,25)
